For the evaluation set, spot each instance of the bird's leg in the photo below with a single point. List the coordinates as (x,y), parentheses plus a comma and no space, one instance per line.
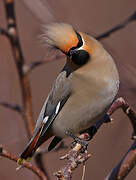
(88,134)
(78,140)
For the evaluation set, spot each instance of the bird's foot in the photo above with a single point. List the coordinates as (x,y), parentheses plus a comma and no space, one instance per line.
(78,140)
(89,133)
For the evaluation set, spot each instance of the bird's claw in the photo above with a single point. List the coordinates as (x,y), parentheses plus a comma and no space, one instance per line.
(83,143)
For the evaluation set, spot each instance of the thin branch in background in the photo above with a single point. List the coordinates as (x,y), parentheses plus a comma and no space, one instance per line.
(27,68)
(37,171)
(117,27)
(14,107)
(75,154)
(5,33)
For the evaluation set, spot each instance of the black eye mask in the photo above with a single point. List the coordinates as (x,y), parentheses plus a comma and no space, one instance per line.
(80,57)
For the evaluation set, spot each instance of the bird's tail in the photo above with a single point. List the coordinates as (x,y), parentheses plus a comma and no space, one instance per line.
(32,146)
(29,150)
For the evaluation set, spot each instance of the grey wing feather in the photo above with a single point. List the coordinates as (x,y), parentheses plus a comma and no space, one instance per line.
(58,94)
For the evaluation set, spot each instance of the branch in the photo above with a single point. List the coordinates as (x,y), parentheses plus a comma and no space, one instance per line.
(29,67)
(12,106)
(117,27)
(5,33)
(74,155)
(12,34)
(129,160)
(74,158)
(29,166)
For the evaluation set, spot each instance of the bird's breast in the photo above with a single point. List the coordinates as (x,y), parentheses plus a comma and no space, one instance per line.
(90,97)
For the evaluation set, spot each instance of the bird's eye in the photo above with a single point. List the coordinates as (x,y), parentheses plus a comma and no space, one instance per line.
(80,57)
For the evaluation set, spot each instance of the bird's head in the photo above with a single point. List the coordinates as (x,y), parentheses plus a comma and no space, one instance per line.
(71,42)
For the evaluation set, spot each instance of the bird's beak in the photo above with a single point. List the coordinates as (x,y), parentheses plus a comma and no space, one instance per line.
(71,52)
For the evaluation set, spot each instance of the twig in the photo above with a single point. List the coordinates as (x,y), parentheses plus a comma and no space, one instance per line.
(5,33)
(12,106)
(83,174)
(37,171)
(75,153)
(27,68)
(74,159)
(117,27)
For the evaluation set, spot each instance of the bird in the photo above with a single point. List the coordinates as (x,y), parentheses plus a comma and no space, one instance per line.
(83,91)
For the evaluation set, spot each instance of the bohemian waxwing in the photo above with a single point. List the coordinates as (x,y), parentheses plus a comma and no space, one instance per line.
(82,92)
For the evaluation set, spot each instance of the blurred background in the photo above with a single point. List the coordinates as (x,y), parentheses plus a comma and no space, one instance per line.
(94,17)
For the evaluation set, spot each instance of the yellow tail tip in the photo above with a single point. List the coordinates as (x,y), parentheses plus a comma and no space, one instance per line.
(21,161)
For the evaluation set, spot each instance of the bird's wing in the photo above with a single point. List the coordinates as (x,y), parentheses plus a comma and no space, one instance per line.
(57,97)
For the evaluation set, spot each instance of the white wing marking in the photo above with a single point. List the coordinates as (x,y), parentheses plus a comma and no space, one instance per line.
(45,119)
(57,108)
